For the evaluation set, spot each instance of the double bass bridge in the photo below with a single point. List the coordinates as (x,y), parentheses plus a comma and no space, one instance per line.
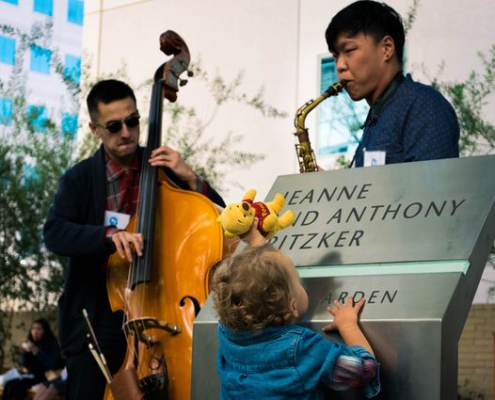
(139,326)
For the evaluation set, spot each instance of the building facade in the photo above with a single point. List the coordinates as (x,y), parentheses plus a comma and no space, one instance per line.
(45,61)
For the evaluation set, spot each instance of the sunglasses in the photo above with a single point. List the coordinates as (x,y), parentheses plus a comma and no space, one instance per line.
(116,126)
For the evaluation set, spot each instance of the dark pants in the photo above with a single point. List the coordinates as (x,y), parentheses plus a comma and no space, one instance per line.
(85,380)
(16,388)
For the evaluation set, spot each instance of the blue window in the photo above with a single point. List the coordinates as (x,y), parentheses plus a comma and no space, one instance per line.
(31,175)
(340,119)
(7,50)
(11,1)
(69,124)
(40,59)
(38,118)
(44,6)
(5,111)
(76,11)
(72,68)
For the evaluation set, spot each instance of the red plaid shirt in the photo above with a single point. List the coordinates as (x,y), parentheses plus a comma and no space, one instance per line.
(122,186)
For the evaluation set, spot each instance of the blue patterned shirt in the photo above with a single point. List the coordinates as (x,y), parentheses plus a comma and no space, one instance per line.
(414,123)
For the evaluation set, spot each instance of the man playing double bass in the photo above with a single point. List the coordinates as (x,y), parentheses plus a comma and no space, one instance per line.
(91,196)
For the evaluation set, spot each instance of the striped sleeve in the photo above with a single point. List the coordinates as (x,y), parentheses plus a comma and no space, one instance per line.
(359,370)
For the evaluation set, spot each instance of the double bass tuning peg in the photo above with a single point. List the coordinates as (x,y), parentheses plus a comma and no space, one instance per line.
(190,74)
(183,82)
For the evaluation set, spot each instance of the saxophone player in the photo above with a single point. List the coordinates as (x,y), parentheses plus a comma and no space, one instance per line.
(407,120)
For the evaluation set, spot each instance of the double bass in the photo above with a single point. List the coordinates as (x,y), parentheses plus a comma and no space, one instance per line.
(162,291)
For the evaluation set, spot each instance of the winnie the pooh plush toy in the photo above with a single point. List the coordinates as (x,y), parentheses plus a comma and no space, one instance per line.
(237,218)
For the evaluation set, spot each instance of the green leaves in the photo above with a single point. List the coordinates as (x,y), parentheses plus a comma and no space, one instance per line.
(210,154)
(469,99)
(34,153)
(213,154)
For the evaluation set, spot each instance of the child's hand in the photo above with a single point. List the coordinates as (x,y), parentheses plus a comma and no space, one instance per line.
(253,237)
(344,316)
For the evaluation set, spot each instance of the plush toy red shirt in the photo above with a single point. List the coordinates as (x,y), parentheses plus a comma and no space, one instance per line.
(237,218)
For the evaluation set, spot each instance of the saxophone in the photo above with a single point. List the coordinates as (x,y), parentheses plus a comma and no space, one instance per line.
(305,154)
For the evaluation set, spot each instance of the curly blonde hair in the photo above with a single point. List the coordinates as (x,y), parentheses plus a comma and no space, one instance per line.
(252,290)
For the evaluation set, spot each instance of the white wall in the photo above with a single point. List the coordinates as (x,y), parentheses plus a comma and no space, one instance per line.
(483,294)
(277,44)
(257,37)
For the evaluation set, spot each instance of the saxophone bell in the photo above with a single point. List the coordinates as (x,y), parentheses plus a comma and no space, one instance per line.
(305,154)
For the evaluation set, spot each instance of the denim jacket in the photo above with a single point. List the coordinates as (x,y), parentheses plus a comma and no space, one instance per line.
(290,362)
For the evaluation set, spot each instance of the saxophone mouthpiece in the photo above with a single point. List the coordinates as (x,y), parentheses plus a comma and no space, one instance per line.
(336,88)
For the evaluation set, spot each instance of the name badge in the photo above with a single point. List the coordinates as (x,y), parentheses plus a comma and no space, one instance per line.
(116,219)
(372,158)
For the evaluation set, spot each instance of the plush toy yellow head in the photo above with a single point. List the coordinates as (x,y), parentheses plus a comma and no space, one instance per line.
(237,218)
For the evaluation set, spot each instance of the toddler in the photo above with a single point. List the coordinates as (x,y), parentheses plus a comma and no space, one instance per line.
(263,354)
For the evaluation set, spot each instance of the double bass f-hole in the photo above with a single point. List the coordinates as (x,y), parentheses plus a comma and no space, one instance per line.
(197,306)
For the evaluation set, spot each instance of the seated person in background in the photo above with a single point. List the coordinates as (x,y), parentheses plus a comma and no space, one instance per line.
(40,354)
(258,297)
(52,389)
